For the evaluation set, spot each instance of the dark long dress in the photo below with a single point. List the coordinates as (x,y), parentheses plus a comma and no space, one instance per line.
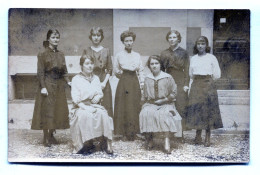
(51,112)
(102,67)
(176,63)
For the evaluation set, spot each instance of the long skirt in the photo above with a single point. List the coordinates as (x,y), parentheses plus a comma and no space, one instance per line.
(107,99)
(203,109)
(182,97)
(51,112)
(127,105)
(88,124)
(163,118)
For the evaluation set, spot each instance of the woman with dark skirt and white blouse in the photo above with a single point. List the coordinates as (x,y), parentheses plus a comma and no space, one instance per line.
(127,64)
(203,108)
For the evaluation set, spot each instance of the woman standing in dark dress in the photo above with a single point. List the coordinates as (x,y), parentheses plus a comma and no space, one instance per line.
(128,93)
(51,108)
(175,61)
(203,109)
(102,66)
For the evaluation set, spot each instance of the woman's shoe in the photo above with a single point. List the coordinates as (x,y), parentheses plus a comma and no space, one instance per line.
(198,140)
(46,142)
(109,149)
(167,147)
(207,138)
(52,140)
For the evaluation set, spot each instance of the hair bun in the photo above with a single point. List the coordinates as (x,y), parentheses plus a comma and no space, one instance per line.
(45,44)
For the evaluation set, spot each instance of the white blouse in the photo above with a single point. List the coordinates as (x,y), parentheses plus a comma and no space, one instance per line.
(129,61)
(204,65)
(83,89)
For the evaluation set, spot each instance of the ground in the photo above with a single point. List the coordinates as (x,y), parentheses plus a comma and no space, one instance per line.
(25,145)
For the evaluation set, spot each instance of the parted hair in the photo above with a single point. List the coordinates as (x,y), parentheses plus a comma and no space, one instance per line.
(201,38)
(96,29)
(177,34)
(49,33)
(127,34)
(155,57)
(84,57)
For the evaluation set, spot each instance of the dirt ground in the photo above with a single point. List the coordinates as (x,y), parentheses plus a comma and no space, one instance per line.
(25,145)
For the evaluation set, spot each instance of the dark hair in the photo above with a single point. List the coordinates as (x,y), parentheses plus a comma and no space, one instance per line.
(177,34)
(49,33)
(84,57)
(155,57)
(127,34)
(96,29)
(195,50)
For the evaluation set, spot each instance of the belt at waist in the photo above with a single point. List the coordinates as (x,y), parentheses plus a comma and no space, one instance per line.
(128,72)
(152,101)
(196,77)
(54,75)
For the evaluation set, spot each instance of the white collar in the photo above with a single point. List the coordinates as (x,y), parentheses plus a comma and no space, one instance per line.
(96,49)
(161,76)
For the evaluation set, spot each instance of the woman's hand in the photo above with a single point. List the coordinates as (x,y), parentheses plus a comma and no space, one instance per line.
(96,99)
(44,91)
(185,88)
(142,86)
(161,101)
(103,85)
(87,108)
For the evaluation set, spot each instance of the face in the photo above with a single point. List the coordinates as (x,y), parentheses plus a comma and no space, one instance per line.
(54,39)
(173,39)
(201,46)
(128,42)
(155,66)
(96,37)
(88,66)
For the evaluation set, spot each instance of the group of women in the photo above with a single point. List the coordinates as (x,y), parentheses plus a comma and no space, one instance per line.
(161,102)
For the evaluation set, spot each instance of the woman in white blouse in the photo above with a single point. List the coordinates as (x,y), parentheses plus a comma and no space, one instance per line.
(88,119)
(203,108)
(127,65)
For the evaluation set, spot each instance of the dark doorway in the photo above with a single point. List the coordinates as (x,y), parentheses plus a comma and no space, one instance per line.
(231,43)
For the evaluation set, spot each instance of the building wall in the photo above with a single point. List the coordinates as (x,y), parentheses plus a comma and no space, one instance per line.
(178,20)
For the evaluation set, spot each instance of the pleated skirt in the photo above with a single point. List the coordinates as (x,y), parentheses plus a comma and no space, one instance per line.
(163,118)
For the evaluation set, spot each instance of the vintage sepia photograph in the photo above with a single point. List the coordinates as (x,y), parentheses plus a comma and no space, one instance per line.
(129,85)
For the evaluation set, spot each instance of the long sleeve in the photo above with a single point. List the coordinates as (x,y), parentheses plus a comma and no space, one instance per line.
(164,62)
(145,95)
(186,69)
(75,91)
(172,88)
(216,73)
(97,87)
(141,71)
(109,65)
(117,68)
(65,75)
(41,70)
